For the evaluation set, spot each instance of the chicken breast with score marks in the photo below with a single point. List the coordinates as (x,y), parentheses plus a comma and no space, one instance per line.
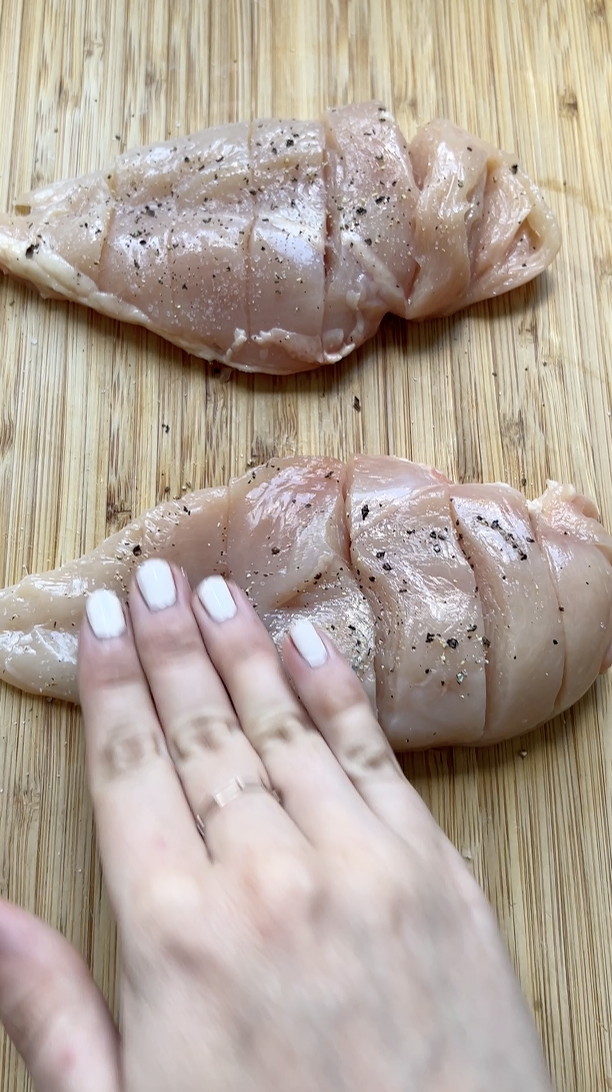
(578,551)
(470,615)
(521,619)
(430,661)
(277,246)
(288,548)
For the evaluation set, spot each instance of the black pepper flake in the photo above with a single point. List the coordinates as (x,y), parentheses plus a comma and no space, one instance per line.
(275,550)
(372,579)
(137,550)
(356,404)
(380,553)
(472,629)
(386,566)
(514,168)
(149,211)
(365,509)
(429,638)
(452,642)
(360,210)
(329,474)
(555,642)
(289,142)
(31,250)
(368,242)
(486,642)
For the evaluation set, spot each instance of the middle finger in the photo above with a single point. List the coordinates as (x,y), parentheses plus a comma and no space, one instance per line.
(313,787)
(212,755)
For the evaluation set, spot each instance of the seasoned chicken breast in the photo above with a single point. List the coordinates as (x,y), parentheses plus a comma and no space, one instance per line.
(525,645)
(430,661)
(278,246)
(578,552)
(469,614)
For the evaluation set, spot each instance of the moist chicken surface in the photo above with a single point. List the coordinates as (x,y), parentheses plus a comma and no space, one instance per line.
(470,614)
(277,246)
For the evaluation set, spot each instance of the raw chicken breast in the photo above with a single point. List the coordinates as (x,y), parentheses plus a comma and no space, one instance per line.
(524,634)
(280,245)
(579,553)
(463,609)
(40,616)
(288,548)
(429,628)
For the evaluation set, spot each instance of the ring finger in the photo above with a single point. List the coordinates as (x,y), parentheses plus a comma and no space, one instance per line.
(314,788)
(222,776)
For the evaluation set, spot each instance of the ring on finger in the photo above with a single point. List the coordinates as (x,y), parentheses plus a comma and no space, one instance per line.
(231,791)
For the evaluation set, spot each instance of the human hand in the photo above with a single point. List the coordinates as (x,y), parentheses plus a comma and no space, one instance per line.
(330,940)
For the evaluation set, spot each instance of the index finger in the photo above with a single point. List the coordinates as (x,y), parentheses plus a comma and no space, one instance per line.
(145,828)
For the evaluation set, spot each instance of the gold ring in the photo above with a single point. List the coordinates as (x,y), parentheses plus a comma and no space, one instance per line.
(229,792)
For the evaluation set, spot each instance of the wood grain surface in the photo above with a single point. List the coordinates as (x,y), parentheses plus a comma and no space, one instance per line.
(98,421)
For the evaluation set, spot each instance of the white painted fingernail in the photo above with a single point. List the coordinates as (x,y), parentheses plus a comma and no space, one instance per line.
(217,599)
(105,614)
(308,643)
(156,583)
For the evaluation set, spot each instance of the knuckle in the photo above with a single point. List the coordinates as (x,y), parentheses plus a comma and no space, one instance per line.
(113,667)
(279,725)
(364,757)
(283,890)
(345,697)
(168,913)
(200,732)
(172,641)
(128,747)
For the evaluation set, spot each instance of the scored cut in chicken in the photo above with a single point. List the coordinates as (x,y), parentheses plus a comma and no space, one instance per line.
(278,246)
(469,614)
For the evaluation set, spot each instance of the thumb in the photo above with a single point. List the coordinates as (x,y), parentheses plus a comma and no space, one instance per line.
(52,1009)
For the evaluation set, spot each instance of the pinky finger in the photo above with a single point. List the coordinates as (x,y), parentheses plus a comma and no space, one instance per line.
(339,707)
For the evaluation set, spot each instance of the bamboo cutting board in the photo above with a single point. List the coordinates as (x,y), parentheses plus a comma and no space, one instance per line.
(98,422)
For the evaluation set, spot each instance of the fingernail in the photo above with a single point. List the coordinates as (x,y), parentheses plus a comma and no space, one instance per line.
(216,598)
(105,614)
(156,583)
(308,643)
